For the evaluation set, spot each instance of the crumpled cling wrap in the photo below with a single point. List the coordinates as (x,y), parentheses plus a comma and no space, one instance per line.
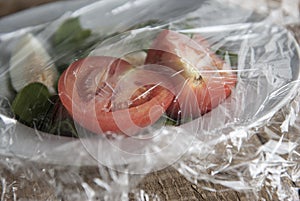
(251,151)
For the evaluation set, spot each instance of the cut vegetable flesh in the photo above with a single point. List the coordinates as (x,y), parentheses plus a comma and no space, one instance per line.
(94,92)
(30,62)
(207,77)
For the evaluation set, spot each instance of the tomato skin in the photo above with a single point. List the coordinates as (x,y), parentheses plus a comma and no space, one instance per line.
(86,89)
(201,69)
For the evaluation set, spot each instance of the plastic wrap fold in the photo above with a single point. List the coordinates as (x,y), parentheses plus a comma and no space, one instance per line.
(104,102)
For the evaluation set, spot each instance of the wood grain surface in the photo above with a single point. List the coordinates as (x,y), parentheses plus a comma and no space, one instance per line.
(11,6)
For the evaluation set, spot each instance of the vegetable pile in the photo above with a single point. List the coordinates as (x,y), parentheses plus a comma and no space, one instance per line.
(176,80)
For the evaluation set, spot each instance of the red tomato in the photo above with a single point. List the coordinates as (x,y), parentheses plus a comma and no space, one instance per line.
(208,79)
(95,93)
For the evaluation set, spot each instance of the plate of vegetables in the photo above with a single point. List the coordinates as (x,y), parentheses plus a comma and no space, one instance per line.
(81,96)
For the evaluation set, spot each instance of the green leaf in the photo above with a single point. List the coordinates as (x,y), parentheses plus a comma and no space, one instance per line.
(71,42)
(35,107)
(69,38)
(32,103)
(165,120)
(223,54)
(70,32)
(59,122)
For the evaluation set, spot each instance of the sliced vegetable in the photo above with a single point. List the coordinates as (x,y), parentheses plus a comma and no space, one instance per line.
(95,93)
(136,58)
(104,95)
(208,80)
(30,63)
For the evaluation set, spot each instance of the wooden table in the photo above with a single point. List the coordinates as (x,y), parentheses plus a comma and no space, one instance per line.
(12,6)
(31,181)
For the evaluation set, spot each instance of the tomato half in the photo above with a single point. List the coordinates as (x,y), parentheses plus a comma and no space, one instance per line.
(207,77)
(95,91)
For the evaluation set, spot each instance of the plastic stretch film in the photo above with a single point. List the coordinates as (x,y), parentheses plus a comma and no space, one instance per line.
(152,100)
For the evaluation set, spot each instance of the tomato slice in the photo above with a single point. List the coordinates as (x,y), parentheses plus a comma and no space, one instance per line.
(209,80)
(94,91)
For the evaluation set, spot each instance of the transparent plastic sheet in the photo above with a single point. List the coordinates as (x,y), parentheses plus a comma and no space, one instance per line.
(249,142)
